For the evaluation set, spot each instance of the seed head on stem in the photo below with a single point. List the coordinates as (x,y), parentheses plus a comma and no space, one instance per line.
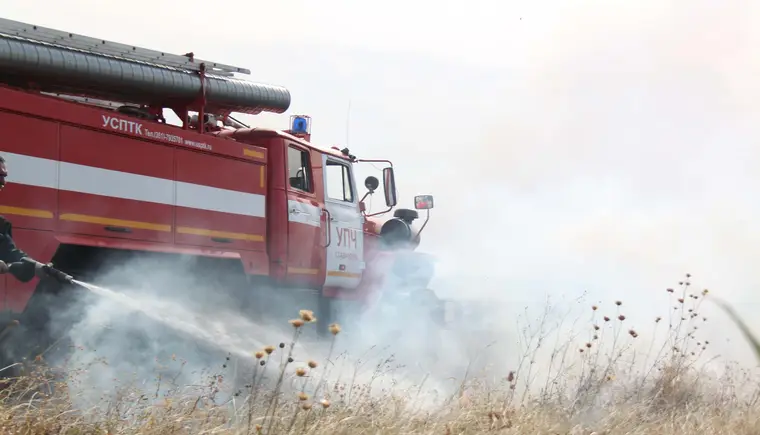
(297,323)
(312,364)
(334,329)
(303,396)
(307,315)
(300,372)
(269,349)
(259,354)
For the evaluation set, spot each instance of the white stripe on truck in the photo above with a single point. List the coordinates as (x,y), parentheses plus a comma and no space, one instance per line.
(35,171)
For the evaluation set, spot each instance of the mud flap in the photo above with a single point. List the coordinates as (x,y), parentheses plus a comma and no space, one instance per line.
(451,312)
(444,312)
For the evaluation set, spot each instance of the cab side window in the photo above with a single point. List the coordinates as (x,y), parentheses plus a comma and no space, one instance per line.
(299,169)
(338,178)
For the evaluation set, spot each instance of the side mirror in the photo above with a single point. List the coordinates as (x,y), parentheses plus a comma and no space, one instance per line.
(389,184)
(371,183)
(423,202)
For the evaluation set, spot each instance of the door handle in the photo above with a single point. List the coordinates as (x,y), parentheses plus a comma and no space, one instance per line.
(118,229)
(329,226)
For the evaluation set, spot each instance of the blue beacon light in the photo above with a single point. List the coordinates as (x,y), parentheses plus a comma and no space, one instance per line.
(299,124)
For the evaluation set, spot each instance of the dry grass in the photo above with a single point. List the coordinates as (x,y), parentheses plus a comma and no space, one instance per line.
(592,382)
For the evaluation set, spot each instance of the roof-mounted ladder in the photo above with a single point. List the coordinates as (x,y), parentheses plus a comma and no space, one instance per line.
(113,49)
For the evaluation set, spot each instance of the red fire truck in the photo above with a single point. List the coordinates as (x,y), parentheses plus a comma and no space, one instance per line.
(98,176)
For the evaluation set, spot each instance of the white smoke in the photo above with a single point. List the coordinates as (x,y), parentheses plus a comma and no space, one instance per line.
(599,147)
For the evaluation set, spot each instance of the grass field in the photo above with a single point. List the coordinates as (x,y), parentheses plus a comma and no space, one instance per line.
(597,384)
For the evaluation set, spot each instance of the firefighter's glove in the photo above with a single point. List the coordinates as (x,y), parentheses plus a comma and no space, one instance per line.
(23,270)
(3,268)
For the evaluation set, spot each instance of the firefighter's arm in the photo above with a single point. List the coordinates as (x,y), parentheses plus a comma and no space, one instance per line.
(18,263)
(10,254)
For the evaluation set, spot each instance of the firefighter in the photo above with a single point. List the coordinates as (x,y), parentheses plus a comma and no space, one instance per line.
(15,261)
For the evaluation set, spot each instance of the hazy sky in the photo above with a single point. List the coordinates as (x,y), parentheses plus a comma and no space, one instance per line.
(602,145)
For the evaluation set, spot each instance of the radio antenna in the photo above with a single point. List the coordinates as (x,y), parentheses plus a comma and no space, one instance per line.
(348,123)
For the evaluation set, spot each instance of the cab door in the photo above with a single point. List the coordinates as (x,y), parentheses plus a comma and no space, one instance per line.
(345,250)
(306,238)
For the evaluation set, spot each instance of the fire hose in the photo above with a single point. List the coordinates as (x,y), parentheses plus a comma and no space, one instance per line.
(29,267)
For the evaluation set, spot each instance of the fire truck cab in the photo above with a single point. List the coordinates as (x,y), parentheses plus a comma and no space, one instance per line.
(319,234)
